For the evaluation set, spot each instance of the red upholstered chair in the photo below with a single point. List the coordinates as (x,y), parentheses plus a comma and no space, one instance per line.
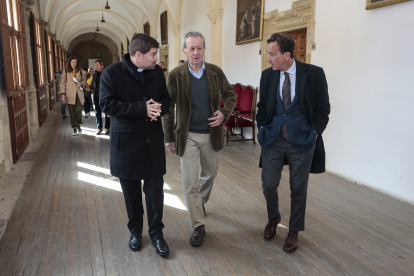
(245,115)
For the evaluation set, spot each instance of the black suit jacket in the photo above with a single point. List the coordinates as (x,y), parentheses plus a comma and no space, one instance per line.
(312,94)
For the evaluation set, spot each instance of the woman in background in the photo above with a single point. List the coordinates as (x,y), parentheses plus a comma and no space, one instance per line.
(73,78)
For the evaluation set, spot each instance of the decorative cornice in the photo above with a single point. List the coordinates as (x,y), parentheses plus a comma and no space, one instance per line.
(176,30)
(214,15)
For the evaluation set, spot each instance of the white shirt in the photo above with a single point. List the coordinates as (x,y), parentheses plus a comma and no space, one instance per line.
(199,74)
(292,76)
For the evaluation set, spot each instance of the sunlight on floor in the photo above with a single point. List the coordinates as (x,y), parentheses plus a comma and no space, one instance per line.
(93,168)
(92,132)
(169,199)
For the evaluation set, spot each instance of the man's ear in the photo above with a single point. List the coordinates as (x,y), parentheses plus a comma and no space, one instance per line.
(138,54)
(183,50)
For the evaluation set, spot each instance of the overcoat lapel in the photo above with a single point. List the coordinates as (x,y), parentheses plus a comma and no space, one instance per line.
(210,75)
(185,81)
(301,77)
(273,84)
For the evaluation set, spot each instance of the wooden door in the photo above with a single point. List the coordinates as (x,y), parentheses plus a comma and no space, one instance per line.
(13,42)
(39,68)
(300,44)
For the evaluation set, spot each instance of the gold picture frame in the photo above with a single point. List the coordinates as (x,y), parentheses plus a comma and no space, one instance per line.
(374,4)
(249,21)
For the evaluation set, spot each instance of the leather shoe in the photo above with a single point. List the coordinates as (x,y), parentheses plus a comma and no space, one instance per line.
(197,236)
(135,242)
(291,243)
(270,230)
(162,247)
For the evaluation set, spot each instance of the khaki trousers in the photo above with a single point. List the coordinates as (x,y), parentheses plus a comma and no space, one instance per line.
(197,184)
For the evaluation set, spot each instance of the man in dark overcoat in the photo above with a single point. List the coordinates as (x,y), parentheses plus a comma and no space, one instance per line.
(292,114)
(134,93)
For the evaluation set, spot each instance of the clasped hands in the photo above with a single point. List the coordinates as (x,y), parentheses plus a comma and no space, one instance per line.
(153,109)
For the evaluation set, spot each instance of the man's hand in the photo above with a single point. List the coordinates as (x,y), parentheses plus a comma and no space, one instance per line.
(170,147)
(153,109)
(217,119)
(64,98)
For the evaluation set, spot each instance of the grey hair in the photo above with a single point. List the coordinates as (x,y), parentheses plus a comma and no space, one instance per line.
(193,34)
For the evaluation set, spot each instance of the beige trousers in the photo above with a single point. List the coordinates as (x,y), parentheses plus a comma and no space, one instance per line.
(197,184)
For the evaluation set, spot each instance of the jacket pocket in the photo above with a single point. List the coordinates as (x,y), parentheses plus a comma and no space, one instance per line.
(305,127)
(119,132)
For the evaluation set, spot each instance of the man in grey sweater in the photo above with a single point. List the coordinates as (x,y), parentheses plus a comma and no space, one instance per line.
(196,90)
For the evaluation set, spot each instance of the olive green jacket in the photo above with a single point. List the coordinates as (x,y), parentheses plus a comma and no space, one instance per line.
(179,88)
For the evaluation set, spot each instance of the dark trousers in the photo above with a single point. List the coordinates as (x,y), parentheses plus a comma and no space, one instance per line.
(88,102)
(75,111)
(273,157)
(98,113)
(154,199)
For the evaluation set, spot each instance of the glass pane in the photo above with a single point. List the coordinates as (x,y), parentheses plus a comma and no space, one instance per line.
(15,15)
(19,75)
(13,62)
(9,19)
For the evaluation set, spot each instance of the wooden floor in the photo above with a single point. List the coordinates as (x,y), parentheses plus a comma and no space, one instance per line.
(71,220)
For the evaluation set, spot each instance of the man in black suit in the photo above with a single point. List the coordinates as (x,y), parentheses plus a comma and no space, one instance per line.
(292,114)
(134,93)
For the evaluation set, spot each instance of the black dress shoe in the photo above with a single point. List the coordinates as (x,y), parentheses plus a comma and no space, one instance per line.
(291,243)
(197,237)
(135,242)
(162,247)
(270,230)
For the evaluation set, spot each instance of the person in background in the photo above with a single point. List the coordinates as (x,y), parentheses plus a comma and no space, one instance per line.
(161,63)
(181,62)
(95,85)
(73,78)
(87,107)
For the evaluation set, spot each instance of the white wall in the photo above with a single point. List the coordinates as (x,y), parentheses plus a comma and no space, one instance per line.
(194,18)
(368,60)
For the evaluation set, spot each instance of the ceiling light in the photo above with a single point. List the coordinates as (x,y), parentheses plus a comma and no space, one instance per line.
(103,20)
(97,29)
(107,7)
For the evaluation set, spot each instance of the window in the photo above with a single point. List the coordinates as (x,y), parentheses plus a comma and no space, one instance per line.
(49,53)
(16,44)
(38,50)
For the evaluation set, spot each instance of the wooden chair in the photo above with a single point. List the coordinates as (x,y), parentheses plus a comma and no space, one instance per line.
(245,115)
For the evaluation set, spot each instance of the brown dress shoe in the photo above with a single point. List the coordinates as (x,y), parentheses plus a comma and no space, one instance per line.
(291,243)
(270,230)
(197,237)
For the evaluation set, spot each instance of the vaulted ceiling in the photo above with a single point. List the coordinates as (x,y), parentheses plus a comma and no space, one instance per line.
(72,19)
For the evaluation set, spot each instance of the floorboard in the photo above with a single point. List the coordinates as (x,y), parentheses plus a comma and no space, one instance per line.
(71,220)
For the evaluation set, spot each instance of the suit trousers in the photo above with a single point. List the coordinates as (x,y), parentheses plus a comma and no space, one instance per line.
(75,112)
(154,199)
(98,113)
(273,157)
(199,165)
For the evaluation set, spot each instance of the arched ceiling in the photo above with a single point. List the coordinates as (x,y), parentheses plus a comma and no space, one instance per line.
(69,19)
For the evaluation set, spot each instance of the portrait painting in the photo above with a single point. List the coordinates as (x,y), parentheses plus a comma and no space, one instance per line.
(249,23)
(374,4)
(164,28)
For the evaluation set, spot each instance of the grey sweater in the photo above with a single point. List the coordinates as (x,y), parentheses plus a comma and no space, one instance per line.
(200,105)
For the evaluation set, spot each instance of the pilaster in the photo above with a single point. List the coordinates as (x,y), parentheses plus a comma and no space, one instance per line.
(216,17)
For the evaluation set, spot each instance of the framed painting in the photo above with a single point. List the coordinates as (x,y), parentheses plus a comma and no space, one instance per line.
(373,4)
(164,28)
(147,29)
(249,25)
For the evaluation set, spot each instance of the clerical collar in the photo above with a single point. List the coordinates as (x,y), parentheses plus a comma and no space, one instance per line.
(140,69)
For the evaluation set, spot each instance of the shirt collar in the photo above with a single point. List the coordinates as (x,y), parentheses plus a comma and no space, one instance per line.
(199,73)
(292,69)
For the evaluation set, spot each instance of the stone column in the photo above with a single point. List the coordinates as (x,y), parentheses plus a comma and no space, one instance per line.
(177,45)
(215,17)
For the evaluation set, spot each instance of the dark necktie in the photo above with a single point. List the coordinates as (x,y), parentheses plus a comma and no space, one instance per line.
(286,100)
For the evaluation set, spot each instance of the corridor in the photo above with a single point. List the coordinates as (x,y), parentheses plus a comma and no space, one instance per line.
(70,219)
